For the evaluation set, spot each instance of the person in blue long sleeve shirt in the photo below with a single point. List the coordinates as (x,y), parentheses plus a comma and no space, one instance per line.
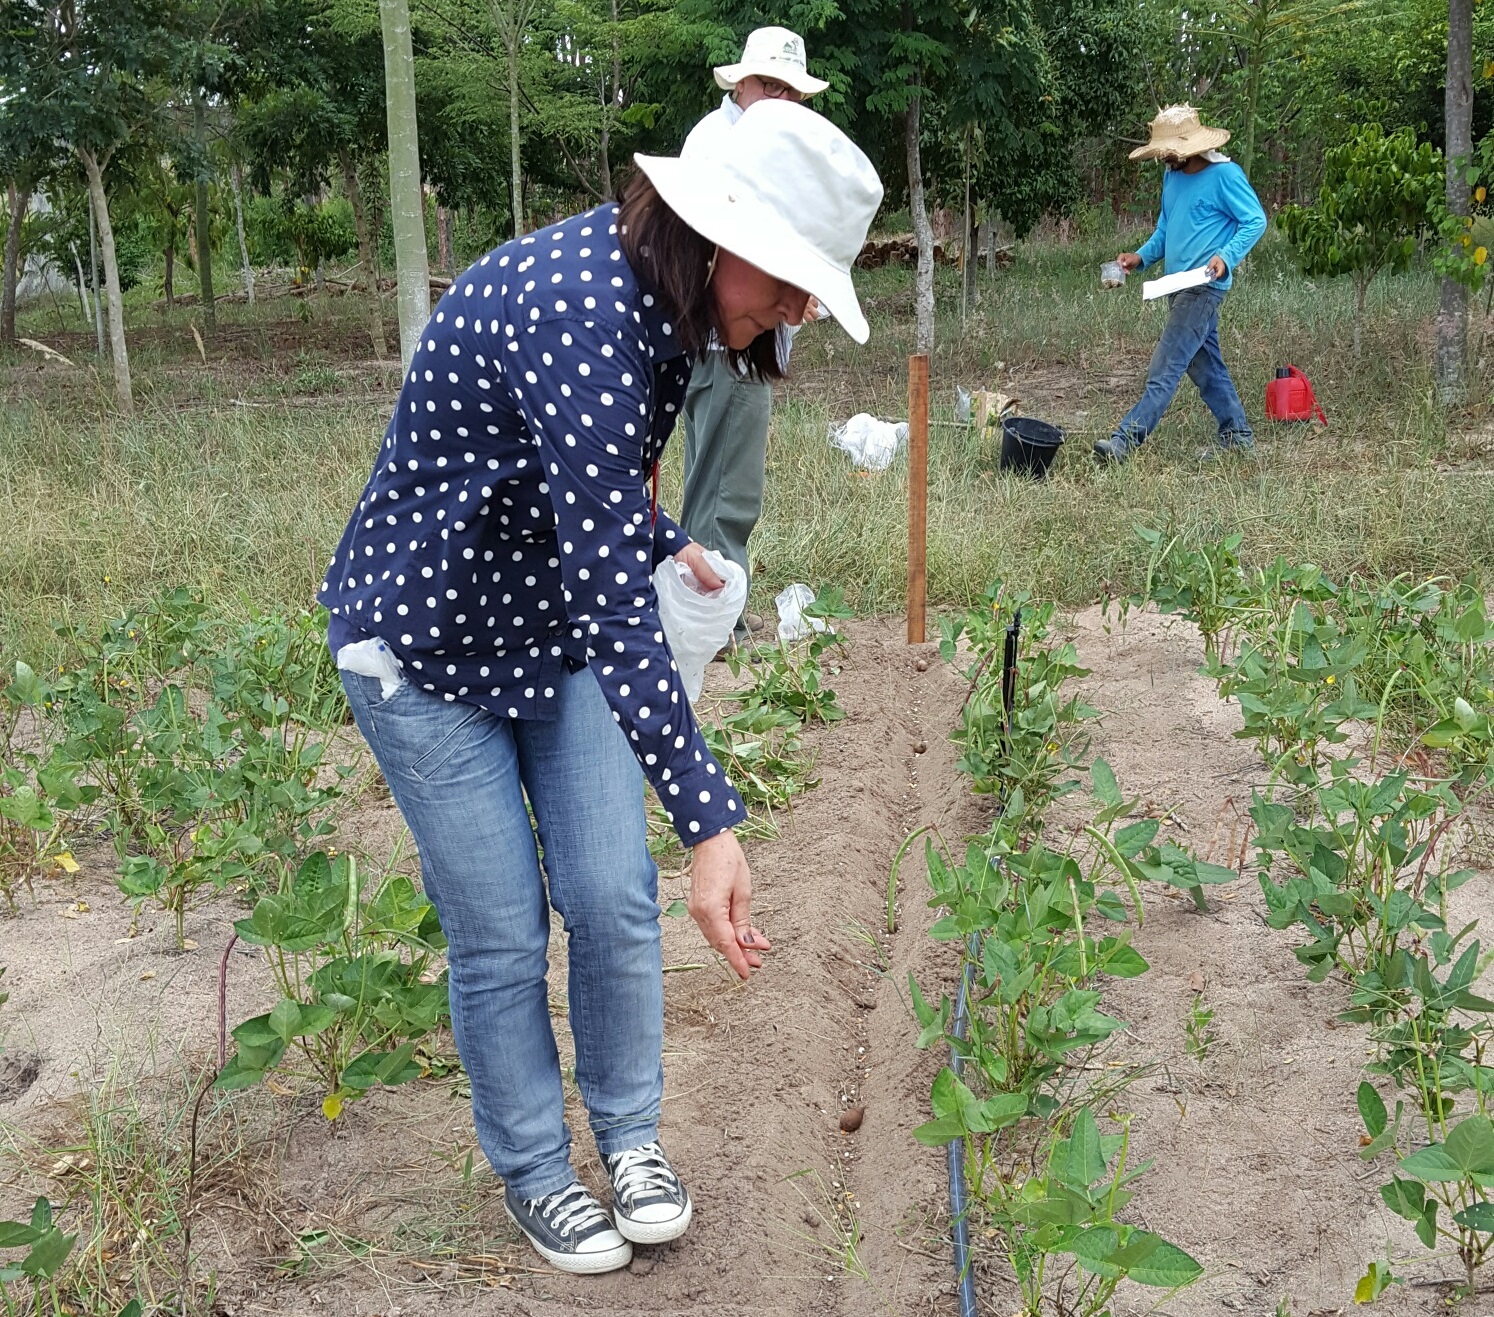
(494,620)
(1211,217)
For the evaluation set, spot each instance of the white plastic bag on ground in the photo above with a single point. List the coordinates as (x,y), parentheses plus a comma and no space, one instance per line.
(870,442)
(792,624)
(697,624)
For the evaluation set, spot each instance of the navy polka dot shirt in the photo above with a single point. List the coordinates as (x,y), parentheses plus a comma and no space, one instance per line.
(505,535)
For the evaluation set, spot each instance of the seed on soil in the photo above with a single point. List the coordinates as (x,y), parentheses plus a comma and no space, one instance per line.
(922,665)
(851,1120)
(919,747)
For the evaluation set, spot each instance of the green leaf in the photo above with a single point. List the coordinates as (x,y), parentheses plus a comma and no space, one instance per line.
(1471,1145)
(1085,1162)
(14,1234)
(48,1255)
(1125,963)
(285,1019)
(1478,1216)
(1433,1165)
(1134,838)
(238,1075)
(1372,1110)
(1167,1267)
(1107,790)
(675,909)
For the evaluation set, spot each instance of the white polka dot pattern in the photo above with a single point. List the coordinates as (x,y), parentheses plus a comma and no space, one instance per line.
(505,532)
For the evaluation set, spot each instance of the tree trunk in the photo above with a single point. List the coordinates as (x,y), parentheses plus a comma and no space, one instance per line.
(406,199)
(967,237)
(1452,313)
(1361,292)
(20,201)
(609,92)
(444,259)
(169,280)
(94,167)
(237,179)
(204,219)
(366,262)
(83,304)
(987,242)
(516,188)
(921,230)
(93,267)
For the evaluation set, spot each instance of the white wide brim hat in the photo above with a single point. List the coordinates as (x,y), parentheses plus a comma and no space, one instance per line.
(786,191)
(772,52)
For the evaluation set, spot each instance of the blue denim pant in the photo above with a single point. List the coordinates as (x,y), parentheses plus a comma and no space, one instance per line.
(460,776)
(1189,345)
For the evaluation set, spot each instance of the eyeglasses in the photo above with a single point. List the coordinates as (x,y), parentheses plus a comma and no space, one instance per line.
(775,90)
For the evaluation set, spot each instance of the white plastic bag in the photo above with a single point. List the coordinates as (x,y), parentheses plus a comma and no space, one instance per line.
(697,624)
(792,624)
(870,442)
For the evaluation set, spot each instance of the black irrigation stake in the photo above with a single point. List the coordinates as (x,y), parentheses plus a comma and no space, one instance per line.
(1009,670)
(959,1206)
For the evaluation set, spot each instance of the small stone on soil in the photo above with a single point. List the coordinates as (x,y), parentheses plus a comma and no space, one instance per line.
(919,747)
(851,1120)
(641,1266)
(922,665)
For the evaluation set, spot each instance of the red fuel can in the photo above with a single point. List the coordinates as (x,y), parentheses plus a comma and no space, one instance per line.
(1289,397)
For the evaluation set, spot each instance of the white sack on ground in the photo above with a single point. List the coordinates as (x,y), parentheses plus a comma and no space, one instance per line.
(870,442)
(792,624)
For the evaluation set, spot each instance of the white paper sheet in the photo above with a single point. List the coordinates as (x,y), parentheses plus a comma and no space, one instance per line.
(1175,283)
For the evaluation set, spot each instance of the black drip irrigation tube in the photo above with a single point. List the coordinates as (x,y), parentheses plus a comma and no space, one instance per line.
(958,1198)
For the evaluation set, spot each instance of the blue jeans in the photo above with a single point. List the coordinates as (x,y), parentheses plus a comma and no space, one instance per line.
(460,776)
(1189,345)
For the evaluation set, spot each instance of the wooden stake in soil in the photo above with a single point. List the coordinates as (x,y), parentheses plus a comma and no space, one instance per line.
(918,493)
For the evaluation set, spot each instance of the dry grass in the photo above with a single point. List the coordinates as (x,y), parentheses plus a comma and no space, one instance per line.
(238,478)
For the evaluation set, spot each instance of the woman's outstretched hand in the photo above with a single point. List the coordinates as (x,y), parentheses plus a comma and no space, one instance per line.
(720,897)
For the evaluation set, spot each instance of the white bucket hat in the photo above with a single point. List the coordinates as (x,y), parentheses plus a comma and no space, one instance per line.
(772,52)
(793,195)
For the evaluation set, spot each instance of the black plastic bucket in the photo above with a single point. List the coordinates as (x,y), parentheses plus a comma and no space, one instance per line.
(1028,446)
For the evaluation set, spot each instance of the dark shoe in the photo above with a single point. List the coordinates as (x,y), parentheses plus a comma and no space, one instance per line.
(648,1200)
(1114,449)
(570,1230)
(1229,445)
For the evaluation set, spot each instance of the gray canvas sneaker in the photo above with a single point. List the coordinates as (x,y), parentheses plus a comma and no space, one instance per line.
(570,1230)
(649,1203)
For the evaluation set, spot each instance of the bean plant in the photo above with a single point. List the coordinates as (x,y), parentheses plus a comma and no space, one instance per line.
(206,741)
(1025,751)
(789,676)
(359,980)
(1358,874)
(1040,930)
(47,1248)
(41,800)
(1364,863)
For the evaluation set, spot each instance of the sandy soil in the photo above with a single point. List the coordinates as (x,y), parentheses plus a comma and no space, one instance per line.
(1256,1172)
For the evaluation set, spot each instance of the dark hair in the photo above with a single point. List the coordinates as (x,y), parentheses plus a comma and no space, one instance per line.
(667,253)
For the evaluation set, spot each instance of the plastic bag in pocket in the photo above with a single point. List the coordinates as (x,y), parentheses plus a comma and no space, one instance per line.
(697,623)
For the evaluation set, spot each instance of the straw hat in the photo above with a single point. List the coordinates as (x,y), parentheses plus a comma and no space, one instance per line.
(1177,131)
(788,192)
(776,53)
